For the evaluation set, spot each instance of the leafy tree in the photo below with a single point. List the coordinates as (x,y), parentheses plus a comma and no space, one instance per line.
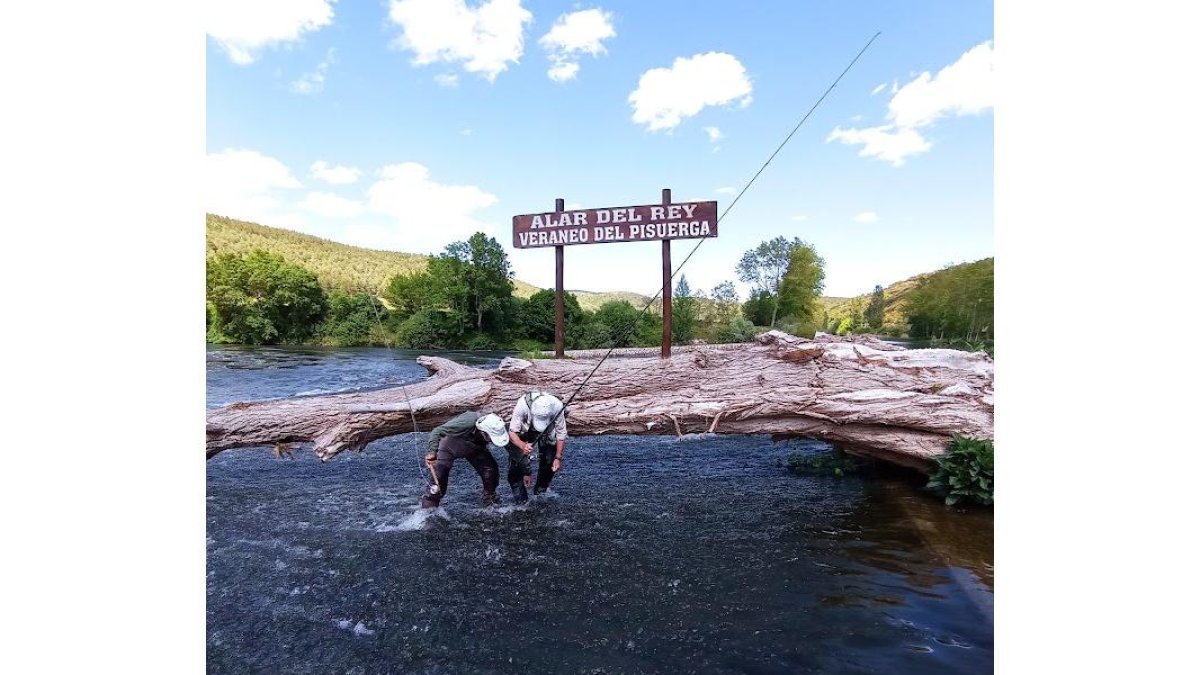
(955,302)
(353,319)
(448,289)
(874,314)
(759,307)
(800,291)
(485,275)
(725,301)
(767,267)
(537,317)
(622,320)
(410,293)
(430,329)
(260,298)
(684,310)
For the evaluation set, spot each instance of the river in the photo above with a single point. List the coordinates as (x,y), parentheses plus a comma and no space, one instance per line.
(649,555)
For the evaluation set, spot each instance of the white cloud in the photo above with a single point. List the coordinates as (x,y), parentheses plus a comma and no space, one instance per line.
(572,36)
(561,72)
(800,218)
(714,134)
(727,190)
(337,175)
(866,217)
(331,206)
(446,79)
(484,40)
(965,87)
(666,96)
(428,214)
(467,131)
(311,83)
(884,142)
(245,184)
(244,28)
(878,89)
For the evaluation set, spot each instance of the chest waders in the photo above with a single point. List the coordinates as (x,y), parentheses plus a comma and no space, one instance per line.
(470,447)
(519,464)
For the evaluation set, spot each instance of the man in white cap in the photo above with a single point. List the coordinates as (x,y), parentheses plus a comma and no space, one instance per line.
(537,416)
(464,437)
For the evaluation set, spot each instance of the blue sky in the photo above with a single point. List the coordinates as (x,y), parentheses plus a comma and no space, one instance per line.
(407,125)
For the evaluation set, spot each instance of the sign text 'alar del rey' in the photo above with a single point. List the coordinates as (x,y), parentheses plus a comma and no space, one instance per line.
(689,220)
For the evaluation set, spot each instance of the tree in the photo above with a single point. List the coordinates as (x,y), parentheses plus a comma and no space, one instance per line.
(800,291)
(623,321)
(758,307)
(766,267)
(956,302)
(260,298)
(352,319)
(410,293)
(485,273)
(537,317)
(874,314)
(725,301)
(684,310)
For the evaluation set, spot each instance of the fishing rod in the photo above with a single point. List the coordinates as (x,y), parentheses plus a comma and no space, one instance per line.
(554,420)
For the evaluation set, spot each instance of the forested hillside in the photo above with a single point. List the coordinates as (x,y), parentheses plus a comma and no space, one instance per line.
(955,301)
(350,268)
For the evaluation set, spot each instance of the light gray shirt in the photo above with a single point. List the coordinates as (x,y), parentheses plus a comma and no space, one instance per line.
(522,420)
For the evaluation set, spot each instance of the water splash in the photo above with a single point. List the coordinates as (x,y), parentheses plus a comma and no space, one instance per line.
(416,520)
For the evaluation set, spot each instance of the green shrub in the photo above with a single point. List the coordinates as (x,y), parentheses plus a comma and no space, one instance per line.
(739,329)
(482,342)
(964,472)
(428,329)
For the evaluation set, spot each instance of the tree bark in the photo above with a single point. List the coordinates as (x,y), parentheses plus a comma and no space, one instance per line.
(861,394)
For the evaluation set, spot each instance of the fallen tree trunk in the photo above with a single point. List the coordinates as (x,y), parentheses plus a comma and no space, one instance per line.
(898,405)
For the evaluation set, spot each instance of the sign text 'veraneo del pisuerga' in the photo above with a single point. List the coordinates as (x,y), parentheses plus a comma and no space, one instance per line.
(689,220)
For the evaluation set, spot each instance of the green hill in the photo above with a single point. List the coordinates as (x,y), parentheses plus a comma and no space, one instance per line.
(350,268)
(895,300)
(340,266)
(591,300)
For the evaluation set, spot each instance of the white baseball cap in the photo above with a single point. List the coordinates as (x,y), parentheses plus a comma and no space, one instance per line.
(545,408)
(493,426)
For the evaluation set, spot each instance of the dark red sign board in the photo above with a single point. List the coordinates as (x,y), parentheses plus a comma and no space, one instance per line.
(689,220)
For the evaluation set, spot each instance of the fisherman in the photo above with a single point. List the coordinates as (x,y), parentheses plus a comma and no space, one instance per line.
(532,415)
(464,437)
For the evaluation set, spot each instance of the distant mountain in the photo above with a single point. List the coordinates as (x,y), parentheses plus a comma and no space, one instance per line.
(351,268)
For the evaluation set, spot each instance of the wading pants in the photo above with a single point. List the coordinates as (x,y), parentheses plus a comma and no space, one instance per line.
(519,466)
(452,448)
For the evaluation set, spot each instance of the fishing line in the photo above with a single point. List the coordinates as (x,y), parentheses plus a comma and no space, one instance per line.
(699,243)
(404,388)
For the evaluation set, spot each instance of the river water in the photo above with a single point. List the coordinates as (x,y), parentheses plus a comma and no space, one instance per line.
(649,555)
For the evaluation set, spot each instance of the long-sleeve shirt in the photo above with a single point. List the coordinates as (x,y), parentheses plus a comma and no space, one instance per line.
(458,424)
(522,419)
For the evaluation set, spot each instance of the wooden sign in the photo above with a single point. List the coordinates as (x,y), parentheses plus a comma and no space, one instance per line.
(689,220)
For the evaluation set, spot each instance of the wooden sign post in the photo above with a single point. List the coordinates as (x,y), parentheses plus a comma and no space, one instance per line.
(560,329)
(665,221)
(666,294)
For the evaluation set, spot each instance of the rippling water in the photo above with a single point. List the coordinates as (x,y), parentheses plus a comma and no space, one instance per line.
(651,555)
